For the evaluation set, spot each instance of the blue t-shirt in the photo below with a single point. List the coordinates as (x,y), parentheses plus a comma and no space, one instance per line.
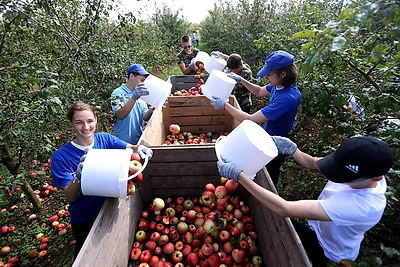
(63,166)
(282,109)
(131,127)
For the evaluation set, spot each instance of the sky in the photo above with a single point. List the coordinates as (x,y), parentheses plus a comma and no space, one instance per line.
(192,10)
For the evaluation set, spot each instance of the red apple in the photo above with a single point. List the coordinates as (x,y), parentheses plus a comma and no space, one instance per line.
(4,229)
(228,247)
(151,245)
(221,191)
(168,248)
(207,249)
(158,251)
(42,254)
(145,256)
(174,235)
(174,128)
(155,236)
(239,255)
(53,218)
(224,236)
(138,178)
(177,256)
(5,250)
(231,185)
(154,260)
(186,249)
(180,200)
(210,187)
(136,156)
(163,240)
(192,259)
(135,253)
(244,244)
(143,225)
(187,238)
(214,260)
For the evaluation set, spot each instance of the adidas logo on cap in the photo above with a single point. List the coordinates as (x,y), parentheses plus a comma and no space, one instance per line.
(352,168)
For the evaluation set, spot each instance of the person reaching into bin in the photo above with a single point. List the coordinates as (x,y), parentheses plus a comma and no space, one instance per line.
(235,64)
(186,56)
(129,110)
(68,161)
(351,203)
(284,101)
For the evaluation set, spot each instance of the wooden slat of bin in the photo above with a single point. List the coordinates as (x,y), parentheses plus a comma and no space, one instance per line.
(180,82)
(111,234)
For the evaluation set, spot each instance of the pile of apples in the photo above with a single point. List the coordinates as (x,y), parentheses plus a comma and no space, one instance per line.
(215,229)
(194,90)
(176,137)
(135,165)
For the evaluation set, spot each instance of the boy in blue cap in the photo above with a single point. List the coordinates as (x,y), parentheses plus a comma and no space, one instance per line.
(284,101)
(129,110)
(351,203)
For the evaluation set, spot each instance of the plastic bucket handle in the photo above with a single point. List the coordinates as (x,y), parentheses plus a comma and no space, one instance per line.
(146,160)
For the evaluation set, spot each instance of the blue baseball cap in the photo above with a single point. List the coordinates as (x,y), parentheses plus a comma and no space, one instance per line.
(137,68)
(274,61)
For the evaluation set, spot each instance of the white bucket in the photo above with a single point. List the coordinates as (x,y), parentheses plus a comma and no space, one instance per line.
(248,146)
(219,85)
(215,64)
(105,172)
(159,90)
(202,57)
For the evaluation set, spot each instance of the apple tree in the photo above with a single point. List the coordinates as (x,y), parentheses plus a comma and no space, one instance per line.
(52,54)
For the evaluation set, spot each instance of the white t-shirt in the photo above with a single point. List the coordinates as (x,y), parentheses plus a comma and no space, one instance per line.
(352,213)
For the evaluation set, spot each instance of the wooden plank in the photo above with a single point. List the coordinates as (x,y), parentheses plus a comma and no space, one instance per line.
(184,81)
(113,224)
(186,154)
(195,111)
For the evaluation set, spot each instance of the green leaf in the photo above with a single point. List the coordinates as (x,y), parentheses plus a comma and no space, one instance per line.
(309,64)
(304,34)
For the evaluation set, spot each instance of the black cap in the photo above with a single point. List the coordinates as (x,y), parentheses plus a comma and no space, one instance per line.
(355,158)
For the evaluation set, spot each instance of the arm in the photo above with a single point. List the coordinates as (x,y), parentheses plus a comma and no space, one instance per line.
(305,160)
(255,89)
(184,69)
(146,116)
(305,209)
(122,112)
(240,115)
(72,190)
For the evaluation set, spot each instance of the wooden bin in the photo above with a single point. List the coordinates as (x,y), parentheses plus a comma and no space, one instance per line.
(192,113)
(184,171)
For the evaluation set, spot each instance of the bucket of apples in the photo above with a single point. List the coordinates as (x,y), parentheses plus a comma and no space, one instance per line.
(112,172)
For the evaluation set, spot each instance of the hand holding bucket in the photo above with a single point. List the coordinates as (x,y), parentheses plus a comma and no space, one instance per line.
(248,146)
(159,90)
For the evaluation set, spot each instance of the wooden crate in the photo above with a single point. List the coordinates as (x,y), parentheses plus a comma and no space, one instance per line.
(192,113)
(184,171)
(186,82)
